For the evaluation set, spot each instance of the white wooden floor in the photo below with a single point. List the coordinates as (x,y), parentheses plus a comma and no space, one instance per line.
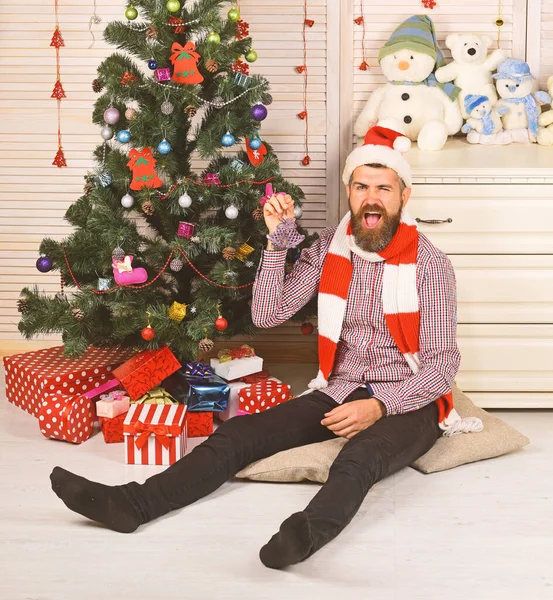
(483,531)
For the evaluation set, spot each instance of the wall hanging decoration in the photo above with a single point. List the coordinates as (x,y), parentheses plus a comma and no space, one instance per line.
(58,93)
(360,20)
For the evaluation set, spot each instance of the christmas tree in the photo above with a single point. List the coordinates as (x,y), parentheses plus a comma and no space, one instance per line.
(163,253)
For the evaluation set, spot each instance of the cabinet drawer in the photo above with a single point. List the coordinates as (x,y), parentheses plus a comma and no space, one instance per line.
(506,358)
(504,288)
(487,218)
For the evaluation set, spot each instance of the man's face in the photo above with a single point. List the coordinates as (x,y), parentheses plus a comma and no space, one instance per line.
(375,201)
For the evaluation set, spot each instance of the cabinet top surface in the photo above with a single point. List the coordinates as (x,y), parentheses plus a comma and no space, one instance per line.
(460,159)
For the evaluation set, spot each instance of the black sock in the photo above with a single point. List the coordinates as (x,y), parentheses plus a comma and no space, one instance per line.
(290,545)
(103,503)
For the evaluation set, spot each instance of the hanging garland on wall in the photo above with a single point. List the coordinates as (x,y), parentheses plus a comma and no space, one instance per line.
(360,20)
(428,3)
(302,70)
(499,22)
(58,93)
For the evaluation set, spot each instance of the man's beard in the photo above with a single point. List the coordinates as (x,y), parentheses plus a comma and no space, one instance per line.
(375,240)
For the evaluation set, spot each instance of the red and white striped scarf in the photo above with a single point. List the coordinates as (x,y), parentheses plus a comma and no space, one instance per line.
(400,303)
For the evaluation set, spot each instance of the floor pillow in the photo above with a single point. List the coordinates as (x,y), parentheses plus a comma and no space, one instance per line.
(312,462)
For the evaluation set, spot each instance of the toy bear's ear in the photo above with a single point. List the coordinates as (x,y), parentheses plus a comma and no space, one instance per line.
(486,40)
(451,39)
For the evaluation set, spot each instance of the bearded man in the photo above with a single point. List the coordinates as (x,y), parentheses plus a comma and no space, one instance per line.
(387,358)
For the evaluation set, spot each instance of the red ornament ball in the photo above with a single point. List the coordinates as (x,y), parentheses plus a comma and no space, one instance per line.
(221,323)
(148,333)
(307,328)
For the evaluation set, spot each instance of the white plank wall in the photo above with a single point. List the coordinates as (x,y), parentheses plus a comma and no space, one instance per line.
(34,195)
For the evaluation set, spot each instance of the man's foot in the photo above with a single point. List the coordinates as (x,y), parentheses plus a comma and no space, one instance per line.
(103,503)
(290,545)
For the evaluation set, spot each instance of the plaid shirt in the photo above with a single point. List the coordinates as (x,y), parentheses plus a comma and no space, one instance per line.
(367,354)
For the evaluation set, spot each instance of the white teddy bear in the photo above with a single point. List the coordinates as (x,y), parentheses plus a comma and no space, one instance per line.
(472,66)
(515,83)
(545,120)
(484,123)
(412,102)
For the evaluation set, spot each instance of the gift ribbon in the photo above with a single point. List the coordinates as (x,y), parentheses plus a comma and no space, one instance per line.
(186,51)
(143,431)
(244,351)
(198,369)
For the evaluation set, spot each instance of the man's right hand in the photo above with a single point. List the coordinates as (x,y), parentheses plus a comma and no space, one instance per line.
(278,206)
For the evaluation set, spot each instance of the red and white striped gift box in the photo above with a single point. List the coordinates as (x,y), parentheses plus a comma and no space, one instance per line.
(155,434)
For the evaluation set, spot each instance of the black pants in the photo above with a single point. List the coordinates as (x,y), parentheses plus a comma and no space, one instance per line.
(380,450)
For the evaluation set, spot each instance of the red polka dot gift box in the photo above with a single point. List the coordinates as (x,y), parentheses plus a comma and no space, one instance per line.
(67,418)
(33,376)
(155,434)
(262,396)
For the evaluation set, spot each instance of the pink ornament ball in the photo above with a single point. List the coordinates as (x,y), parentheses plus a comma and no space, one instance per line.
(111,115)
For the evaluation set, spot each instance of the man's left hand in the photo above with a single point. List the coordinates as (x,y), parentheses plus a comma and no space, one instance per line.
(349,419)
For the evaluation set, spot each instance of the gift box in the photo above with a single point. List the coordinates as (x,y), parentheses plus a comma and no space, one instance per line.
(157,395)
(67,418)
(232,407)
(113,404)
(197,386)
(155,434)
(237,362)
(33,376)
(146,370)
(199,424)
(113,429)
(262,396)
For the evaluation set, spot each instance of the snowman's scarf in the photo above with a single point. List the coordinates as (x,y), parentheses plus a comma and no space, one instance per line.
(531,108)
(450,89)
(488,124)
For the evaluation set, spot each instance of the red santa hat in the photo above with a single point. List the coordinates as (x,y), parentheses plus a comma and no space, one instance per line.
(383,146)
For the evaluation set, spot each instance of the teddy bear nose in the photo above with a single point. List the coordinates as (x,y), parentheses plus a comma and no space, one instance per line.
(403,65)
(472,51)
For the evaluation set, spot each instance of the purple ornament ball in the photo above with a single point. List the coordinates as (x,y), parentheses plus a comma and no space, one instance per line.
(111,115)
(44,264)
(259,112)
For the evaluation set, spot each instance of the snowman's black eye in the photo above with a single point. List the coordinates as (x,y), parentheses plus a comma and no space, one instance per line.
(517,84)
(506,85)
(411,58)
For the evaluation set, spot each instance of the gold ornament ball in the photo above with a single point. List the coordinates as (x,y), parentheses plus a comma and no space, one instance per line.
(173,6)
(206,345)
(251,56)
(130,114)
(234,14)
(500,22)
(213,37)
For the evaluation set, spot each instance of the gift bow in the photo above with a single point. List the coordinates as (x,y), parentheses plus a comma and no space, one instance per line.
(123,266)
(198,369)
(163,433)
(212,179)
(243,352)
(186,51)
(137,157)
(112,396)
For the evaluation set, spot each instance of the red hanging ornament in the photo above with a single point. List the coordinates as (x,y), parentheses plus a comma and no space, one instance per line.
(241,67)
(364,66)
(307,328)
(221,323)
(256,156)
(301,68)
(57,40)
(243,30)
(58,93)
(309,22)
(359,21)
(177,24)
(428,3)
(148,333)
(306,160)
(142,164)
(128,78)
(185,62)
(59,160)
(303,114)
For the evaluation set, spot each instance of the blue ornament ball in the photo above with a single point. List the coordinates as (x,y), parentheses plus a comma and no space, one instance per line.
(164,147)
(227,139)
(255,143)
(152,64)
(123,136)
(44,264)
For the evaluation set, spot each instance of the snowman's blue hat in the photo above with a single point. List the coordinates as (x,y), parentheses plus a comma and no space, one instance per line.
(515,69)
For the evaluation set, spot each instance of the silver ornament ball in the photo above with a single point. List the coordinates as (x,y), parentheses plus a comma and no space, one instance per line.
(167,108)
(185,201)
(118,253)
(298,212)
(106,132)
(111,115)
(127,201)
(176,265)
(231,212)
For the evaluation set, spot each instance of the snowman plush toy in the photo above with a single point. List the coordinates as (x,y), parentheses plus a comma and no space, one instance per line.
(515,83)
(413,102)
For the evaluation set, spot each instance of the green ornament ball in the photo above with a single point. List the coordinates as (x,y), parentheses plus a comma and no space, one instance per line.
(213,37)
(131,13)
(173,6)
(234,14)
(251,56)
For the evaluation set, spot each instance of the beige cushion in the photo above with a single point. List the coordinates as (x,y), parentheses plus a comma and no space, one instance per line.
(312,462)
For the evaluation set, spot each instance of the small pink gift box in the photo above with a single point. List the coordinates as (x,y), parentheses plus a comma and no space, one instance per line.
(163,74)
(113,404)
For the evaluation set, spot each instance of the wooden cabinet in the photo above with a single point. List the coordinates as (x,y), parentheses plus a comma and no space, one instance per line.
(492,213)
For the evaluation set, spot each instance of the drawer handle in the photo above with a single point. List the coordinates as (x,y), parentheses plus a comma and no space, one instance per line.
(434,221)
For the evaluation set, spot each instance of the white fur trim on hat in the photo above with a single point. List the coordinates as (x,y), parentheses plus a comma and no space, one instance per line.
(371,153)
